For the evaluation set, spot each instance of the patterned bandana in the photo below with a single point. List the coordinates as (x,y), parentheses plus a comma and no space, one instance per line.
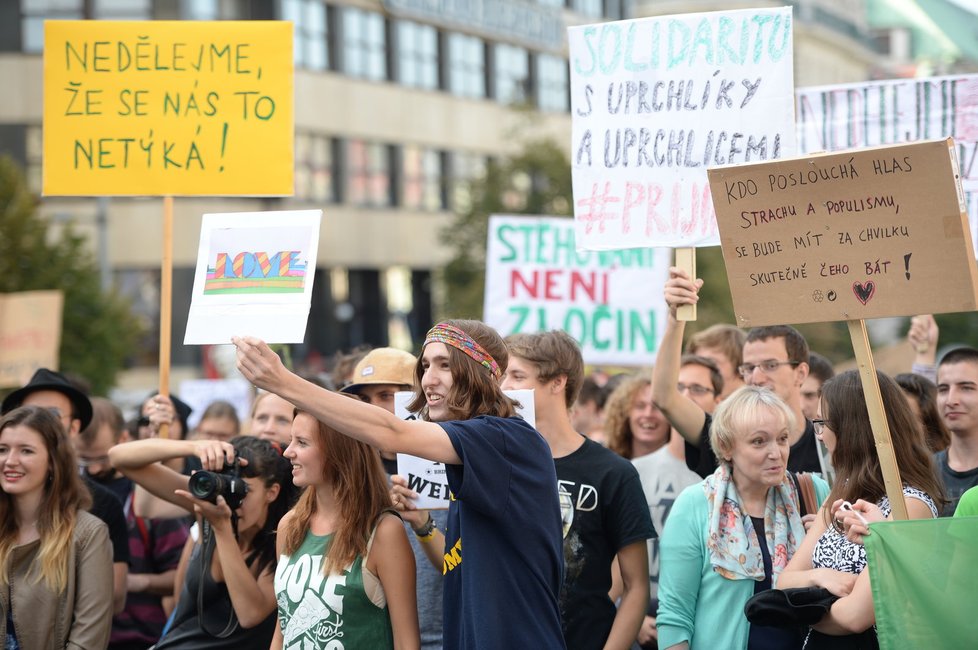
(732,543)
(459,340)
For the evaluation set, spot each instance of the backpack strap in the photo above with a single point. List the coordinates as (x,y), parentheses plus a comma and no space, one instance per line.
(802,505)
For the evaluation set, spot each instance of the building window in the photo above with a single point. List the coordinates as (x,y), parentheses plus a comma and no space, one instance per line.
(212,10)
(364,44)
(417,55)
(314,175)
(368,169)
(511,71)
(590,8)
(467,66)
(123,9)
(311,25)
(423,179)
(33,150)
(551,81)
(33,15)
(467,168)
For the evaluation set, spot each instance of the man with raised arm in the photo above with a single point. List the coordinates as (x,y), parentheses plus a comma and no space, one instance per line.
(501,587)
(775,357)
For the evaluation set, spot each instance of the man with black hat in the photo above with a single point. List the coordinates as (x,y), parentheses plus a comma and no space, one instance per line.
(52,390)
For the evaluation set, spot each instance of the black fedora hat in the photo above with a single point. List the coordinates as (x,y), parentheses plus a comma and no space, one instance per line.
(45,379)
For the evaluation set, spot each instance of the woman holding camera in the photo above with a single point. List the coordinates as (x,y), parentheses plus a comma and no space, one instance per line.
(342,534)
(228,595)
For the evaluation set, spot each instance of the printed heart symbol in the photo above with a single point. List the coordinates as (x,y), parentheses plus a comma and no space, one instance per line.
(864,290)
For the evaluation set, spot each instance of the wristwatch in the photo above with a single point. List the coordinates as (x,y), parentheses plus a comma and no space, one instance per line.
(426,529)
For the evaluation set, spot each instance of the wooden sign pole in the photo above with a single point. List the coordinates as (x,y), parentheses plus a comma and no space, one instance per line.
(877,418)
(166,302)
(686,260)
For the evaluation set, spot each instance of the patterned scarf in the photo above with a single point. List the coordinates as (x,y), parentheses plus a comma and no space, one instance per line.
(732,541)
(453,336)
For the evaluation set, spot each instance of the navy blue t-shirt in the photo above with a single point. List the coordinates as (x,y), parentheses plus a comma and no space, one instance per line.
(502,583)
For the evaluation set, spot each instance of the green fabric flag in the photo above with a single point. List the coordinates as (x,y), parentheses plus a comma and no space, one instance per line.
(924,575)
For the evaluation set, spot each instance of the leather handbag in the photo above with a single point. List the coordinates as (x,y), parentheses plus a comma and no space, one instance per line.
(789,607)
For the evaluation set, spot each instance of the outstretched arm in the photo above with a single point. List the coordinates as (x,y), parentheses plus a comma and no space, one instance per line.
(143,462)
(374,425)
(684,414)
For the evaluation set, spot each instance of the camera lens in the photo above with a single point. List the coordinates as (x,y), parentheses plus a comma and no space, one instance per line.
(206,485)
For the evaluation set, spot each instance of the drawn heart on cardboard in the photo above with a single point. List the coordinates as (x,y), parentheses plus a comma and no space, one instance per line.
(864,290)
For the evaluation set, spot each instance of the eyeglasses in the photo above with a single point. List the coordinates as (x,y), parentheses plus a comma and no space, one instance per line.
(767,367)
(695,389)
(820,426)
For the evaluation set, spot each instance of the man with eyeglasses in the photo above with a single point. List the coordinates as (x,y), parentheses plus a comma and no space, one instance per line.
(52,390)
(775,357)
(664,473)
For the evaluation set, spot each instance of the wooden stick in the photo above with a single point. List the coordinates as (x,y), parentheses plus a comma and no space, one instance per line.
(686,260)
(166,302)
(877,418)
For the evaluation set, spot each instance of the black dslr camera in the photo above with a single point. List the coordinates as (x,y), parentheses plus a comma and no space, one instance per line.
(227,483)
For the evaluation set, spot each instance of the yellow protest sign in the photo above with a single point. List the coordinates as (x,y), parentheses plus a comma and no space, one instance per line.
(168,108)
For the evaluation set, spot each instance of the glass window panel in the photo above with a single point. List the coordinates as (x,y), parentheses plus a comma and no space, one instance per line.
(36,12)
(368,172)
(466,168)
(467,66)
(511,74)
(552,83)
(314,167)
(417,55)
(364,44)
(311,32)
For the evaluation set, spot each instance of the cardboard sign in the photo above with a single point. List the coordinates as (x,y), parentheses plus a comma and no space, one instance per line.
(428,478)
(863,234)
(608,301)
(876,113)
(30,334)
(254,276)
(657,101)
(167,108)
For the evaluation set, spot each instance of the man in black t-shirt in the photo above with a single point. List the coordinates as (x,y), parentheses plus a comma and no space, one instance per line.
(775,357)
(603,506)
(52,390)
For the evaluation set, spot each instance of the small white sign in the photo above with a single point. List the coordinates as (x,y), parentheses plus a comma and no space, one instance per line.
(427,477)
(254,276)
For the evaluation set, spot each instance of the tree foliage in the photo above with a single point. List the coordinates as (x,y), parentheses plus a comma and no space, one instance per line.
(98,328)
(537,180)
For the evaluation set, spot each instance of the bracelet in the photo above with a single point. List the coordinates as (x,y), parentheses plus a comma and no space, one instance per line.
(427,538)
(427,530)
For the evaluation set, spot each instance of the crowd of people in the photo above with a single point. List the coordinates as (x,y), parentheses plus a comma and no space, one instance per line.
(638,511)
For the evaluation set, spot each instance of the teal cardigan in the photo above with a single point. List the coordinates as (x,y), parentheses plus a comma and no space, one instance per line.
(696,604)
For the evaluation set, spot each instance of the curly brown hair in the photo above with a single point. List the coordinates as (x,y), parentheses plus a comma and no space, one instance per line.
(617,430)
